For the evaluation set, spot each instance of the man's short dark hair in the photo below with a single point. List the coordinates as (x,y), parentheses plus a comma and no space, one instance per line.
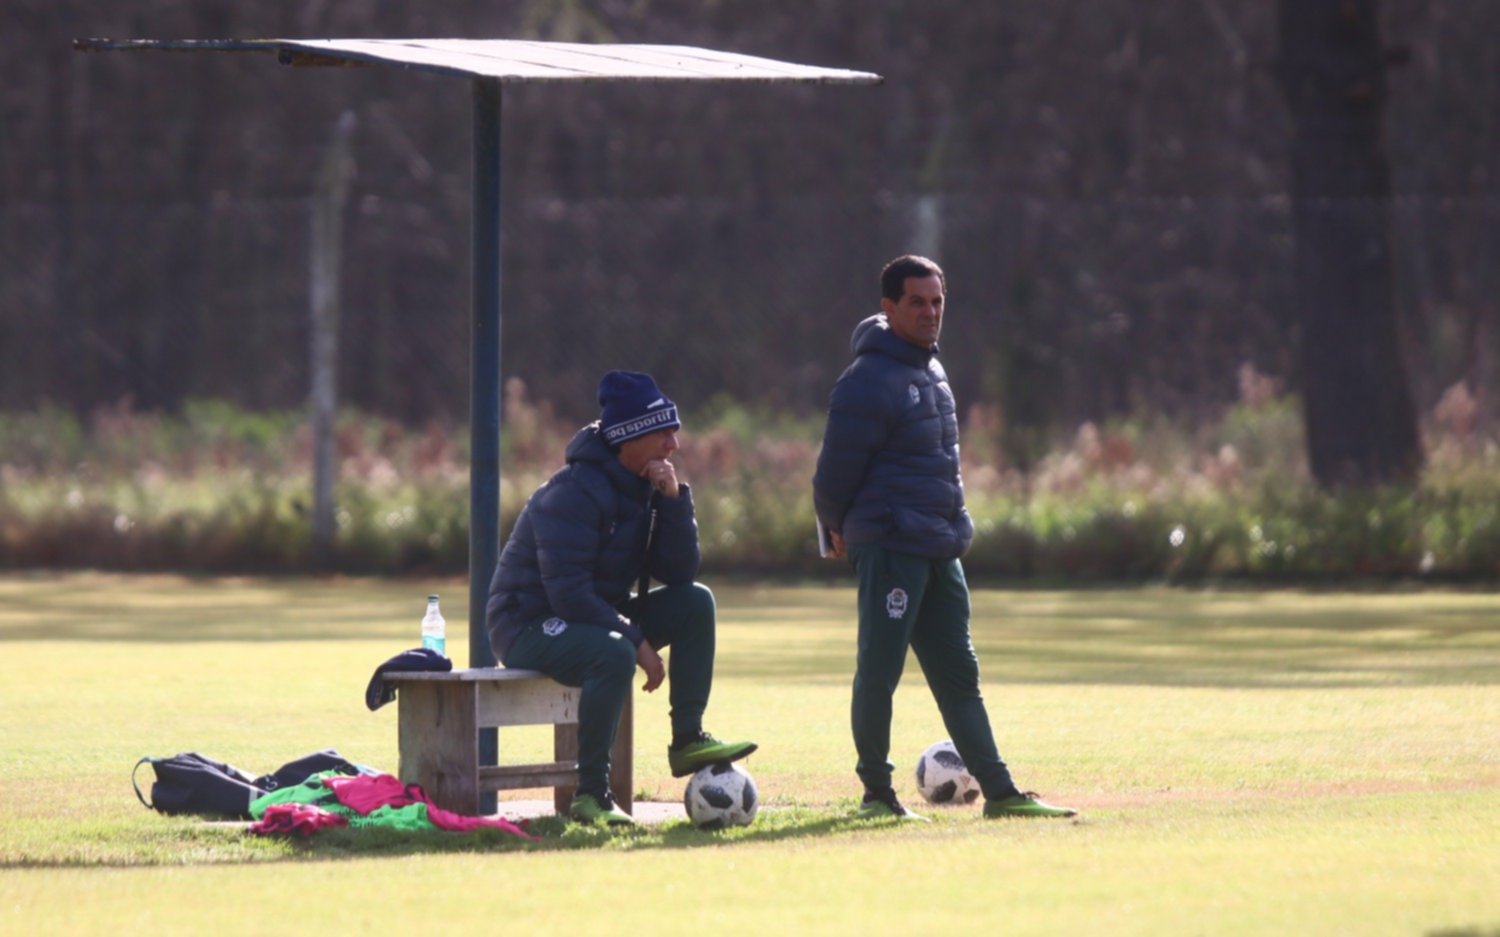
(893,277)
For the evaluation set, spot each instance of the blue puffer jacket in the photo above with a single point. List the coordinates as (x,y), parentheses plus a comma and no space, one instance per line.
(888,473)
(579,545)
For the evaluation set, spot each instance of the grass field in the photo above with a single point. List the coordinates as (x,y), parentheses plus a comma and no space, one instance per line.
(1246,763)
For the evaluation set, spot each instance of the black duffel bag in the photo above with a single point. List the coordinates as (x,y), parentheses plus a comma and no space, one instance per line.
(189,783)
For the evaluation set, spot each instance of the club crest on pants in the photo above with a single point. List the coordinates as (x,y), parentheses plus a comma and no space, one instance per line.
(553,627)
(895,602)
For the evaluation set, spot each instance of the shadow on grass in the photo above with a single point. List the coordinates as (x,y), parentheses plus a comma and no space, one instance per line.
(210,844)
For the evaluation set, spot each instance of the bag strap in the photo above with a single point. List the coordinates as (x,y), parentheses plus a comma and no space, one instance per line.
(645,583)
(139,796)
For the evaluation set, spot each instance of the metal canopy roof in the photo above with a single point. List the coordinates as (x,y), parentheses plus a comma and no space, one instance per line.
(512,60)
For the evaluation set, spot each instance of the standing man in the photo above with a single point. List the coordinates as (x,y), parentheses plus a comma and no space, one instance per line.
(889,495)
(561,599)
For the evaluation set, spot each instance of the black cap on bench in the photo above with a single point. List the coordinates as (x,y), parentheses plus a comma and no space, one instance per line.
(378,693)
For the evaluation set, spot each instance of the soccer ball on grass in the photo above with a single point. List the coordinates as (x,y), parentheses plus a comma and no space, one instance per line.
(721,796)
(942,777)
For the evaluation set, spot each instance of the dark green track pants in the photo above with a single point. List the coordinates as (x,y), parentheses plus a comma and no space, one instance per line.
(602,663)
(911,601)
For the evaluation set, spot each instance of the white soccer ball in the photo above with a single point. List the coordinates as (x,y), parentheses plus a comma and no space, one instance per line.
(942,777)
(720,796)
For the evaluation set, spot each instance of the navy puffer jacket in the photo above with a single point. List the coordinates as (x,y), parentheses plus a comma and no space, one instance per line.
(579,545)
(888,473)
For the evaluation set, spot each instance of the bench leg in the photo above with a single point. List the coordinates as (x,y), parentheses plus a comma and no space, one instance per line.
(564,749)
(439,742)
(621,760)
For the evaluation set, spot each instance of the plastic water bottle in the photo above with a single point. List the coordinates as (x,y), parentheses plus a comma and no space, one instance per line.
(434,628)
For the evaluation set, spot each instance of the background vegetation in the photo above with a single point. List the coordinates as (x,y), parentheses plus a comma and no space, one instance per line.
(220,489)
(1109,187)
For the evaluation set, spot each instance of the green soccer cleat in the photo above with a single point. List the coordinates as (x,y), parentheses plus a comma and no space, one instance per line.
(1024,805)
(883,805)
(586,808)
(705,750)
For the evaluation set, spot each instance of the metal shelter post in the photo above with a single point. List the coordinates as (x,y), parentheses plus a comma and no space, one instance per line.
(484,388)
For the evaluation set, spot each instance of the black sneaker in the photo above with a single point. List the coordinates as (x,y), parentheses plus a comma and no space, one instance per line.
(880,805)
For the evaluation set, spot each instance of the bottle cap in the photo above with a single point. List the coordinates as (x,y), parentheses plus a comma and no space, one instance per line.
(432,598)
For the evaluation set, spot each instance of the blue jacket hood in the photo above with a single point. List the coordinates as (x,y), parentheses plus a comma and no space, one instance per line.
(588,446)
(875,335)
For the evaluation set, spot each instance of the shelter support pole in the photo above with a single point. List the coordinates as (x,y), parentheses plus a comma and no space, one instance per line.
(484,388)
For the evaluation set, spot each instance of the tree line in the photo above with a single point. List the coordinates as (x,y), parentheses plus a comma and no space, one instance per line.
(1117,192)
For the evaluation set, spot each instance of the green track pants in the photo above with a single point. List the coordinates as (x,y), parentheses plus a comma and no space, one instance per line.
(602,663)
(911,601)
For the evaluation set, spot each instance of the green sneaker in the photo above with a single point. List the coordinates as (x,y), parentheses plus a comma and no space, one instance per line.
(586,808)
(703,751)
(882,805)
(1025,805)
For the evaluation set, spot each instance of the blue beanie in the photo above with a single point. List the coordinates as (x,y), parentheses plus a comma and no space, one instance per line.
(633,406)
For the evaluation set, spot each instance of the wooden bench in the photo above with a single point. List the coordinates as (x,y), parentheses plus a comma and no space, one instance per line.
(439,718)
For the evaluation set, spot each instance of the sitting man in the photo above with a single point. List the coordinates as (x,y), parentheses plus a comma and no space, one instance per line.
(561,599)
